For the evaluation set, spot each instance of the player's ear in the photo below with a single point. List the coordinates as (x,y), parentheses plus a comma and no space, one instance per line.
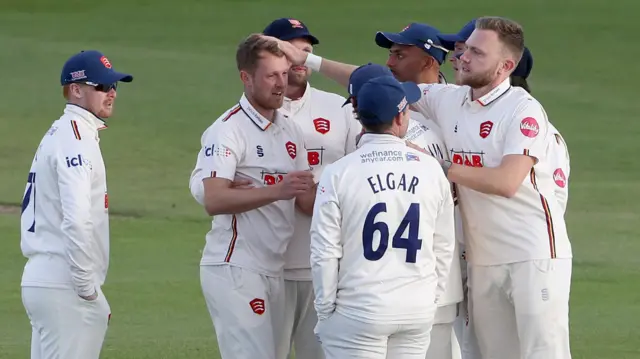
(245,77)
(508,65)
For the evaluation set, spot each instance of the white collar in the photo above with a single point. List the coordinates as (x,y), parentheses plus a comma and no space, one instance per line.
(255,116)
(493,95)
(292,106)
(88,118)
(375,138)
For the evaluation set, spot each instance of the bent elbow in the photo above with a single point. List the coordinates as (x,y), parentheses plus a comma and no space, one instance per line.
(508,191)
(212,208)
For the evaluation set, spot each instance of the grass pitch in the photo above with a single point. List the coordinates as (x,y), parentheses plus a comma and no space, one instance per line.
(182,57)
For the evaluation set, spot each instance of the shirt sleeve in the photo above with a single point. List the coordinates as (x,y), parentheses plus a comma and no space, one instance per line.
(73,165)
(444,240)
(326,247)
(527,132)
(430,102)
(220,153)
(195,181)
(354,130)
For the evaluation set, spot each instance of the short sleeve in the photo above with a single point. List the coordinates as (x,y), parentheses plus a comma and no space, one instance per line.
(527,132)
(430,101)
(220,153)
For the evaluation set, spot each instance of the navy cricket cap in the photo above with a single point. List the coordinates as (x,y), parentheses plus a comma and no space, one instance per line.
(91,66)
(287,29)
(421,35)
(363,74)
(525,65)
(449,40)
(382,98)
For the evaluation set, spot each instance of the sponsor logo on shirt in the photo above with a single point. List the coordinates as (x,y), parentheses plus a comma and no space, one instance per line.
(412,157)
(259,151)
(78,160)
(529,127)
(467,158)
(382,156)
(559,178)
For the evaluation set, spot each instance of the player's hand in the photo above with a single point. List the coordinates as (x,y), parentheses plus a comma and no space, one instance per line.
(294,54)
(416,147)
(295,184)
(91,297)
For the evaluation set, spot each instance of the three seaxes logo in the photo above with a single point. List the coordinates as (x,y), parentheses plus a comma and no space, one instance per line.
(322,125)
(485,129)
(291,149)
(257,305)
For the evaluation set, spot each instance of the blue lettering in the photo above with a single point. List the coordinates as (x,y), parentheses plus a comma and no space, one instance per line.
(74,161)
(372,185)
(208,151)
(403,184)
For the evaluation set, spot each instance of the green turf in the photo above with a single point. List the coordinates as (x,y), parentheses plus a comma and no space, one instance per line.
(183,60)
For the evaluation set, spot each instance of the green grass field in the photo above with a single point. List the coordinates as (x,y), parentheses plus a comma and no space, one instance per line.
(183,60)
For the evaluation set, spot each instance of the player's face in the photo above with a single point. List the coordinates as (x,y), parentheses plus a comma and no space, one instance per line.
(95,99)
(269,81)
(406,62)
(458,49)
(299,75)
(482,60)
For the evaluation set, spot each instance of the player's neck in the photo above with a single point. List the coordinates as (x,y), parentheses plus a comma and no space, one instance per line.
(429,77)
(477,93)
(295,92)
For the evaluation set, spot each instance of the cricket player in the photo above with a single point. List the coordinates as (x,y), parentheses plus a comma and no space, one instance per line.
(416,54)
(427,140)
(330,132)
(242,263)
(497,136)
(65,218)
(382,236)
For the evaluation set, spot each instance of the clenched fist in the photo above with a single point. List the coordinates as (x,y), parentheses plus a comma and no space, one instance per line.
(294,184)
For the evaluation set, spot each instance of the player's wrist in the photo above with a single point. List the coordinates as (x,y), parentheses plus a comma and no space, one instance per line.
(313,62)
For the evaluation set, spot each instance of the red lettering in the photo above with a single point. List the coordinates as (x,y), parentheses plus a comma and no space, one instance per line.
(470,160)
(313,157)
(270,180)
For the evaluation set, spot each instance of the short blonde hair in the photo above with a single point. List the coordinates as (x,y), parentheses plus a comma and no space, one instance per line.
(509,32)
(250,51)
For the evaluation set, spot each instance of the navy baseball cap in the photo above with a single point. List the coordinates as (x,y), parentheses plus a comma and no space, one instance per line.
(287,29)
(525,65)
(363,74)
(382,98)
(449,40)
(92,67)
(424,36)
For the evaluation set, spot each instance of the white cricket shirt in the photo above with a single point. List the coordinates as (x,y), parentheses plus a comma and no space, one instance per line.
(330,132)
(426,134)
(65,216)
(244,143)
(506,121)
(382,234)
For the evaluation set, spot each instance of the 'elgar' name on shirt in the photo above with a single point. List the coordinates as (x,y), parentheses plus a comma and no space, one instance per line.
(391,181)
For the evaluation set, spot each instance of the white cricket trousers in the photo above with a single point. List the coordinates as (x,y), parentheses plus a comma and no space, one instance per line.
(466,338)
(342,337)
(441,343)
(65,326)
(521,310)
(247,310)
(300,319)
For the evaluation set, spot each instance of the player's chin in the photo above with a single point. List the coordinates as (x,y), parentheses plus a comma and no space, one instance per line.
(276,101)
(106,111)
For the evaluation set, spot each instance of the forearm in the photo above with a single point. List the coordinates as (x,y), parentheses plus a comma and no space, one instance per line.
(337,71)
(483,179)
(234,201)
(78,231)
(325,285)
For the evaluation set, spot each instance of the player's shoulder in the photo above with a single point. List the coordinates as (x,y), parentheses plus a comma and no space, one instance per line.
(440,88)
(322,97)
(230,118)
(522,100)
(69,131)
